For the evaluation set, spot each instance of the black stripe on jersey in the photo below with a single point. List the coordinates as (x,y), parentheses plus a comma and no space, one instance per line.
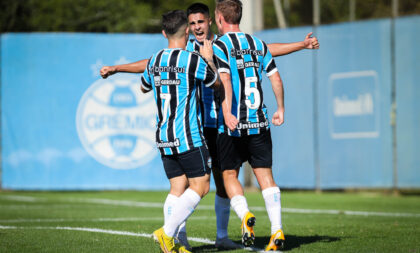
(196,46)
(192,68)
(198,110)
(260,113)
(173,90)
(158,92)
(241,73)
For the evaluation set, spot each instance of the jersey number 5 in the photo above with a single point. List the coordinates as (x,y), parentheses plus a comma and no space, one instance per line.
(252,91)
(166,98)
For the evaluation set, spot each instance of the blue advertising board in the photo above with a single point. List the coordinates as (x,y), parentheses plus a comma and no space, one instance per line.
(64,127)
(354,102)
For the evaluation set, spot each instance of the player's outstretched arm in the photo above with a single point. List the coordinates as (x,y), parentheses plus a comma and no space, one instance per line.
(134,67)
(230,120)
(277,84)
(278,49)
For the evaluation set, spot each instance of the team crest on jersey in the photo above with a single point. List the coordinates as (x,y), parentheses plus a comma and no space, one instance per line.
(116,123)
(240,63)
(156,79)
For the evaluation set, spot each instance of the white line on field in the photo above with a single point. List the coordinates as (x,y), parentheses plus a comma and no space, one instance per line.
(20,198)
(208,207)
(115,232)
(253,208)
(104,219)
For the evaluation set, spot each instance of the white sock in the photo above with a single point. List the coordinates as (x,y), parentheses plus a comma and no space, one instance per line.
(240,206)
(181,211)
(168,209)
(222,208)
(168,206)
(272,204)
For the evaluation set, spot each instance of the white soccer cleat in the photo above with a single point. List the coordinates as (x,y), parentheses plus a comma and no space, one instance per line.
(225,244)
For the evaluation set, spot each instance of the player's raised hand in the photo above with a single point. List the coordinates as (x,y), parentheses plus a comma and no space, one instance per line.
(107,71)
(230,121)
(311,42)
(206,50)
(278,118)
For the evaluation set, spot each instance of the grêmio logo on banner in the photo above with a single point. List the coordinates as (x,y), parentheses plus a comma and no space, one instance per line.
(116,122)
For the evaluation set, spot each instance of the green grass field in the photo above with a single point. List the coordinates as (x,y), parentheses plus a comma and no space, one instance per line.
(122,221)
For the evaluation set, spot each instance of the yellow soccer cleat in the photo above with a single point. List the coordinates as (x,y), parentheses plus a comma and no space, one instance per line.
(181,248)
(247,228)
(166,243)
(276,241)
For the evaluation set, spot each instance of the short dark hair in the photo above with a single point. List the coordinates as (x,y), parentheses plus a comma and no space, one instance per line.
(231,10)
(198,8)
(173,20)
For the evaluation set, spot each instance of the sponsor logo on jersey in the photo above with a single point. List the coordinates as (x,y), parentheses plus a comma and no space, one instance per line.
(168,144)
(250,64)
(171,69)
(249,125)
(238,52)
(170,82)
(116,123)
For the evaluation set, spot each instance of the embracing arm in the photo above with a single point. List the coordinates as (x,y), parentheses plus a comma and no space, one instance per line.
(135,67)
(278,49)
(207,52)
(277,84)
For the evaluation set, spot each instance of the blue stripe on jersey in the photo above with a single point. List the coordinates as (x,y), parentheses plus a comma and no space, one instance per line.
(175,75)
(245,57)
(207,96)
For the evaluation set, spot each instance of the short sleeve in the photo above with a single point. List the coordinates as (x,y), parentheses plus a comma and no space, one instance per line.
(146,83)
(221,54)
(269,65)
(209,77)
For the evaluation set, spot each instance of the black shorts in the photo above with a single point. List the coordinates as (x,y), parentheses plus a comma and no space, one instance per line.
(193,163)
(210,134)
(257,149)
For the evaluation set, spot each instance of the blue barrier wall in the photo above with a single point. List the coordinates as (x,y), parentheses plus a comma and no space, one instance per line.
(408,103)
(293,146)
(63,127)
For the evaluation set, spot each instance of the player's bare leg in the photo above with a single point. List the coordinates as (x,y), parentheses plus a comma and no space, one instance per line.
(271,194)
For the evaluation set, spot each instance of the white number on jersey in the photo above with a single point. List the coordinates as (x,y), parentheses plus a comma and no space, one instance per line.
(252,90)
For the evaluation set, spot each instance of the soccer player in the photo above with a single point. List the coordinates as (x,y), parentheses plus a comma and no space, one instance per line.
(244,135)
(199,21)
(175,75)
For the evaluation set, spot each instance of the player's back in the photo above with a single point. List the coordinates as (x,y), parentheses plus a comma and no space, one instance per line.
(174,75)
(245,57)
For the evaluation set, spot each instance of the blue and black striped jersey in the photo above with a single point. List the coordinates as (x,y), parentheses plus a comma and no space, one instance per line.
(245,57)
(208,97)
(175,76)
